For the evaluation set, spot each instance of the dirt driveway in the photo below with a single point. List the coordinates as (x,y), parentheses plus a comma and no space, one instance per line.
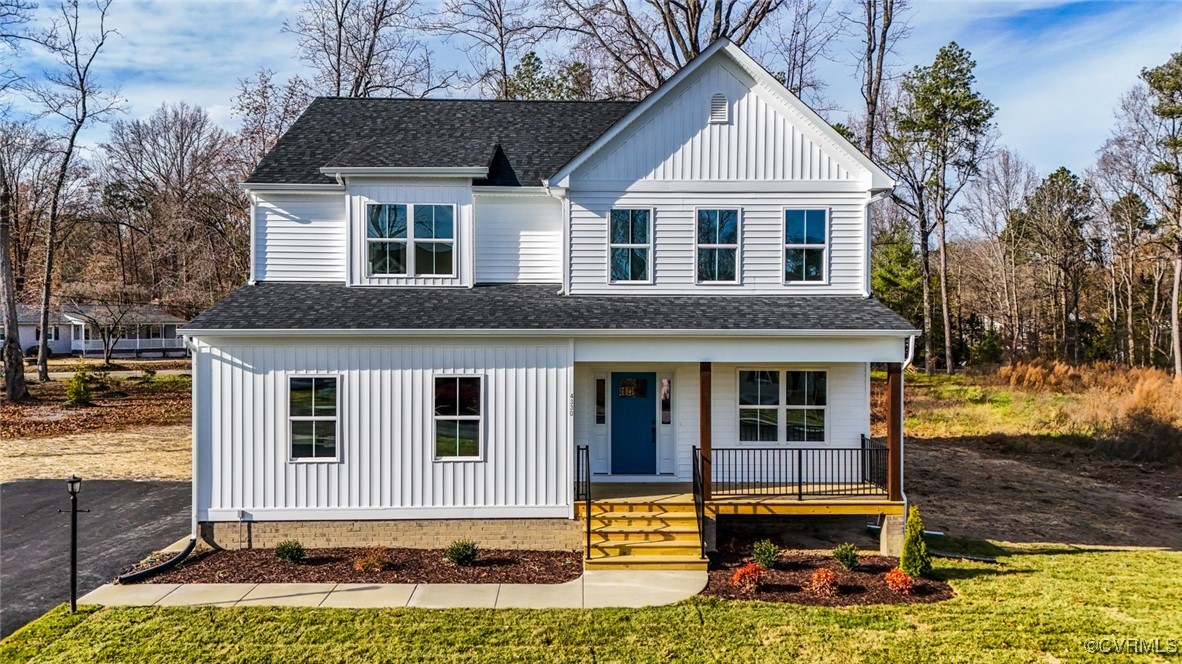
(1040,492)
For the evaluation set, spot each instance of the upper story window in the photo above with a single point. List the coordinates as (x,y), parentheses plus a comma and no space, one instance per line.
(806,240)
(424,248)
(718,246)
(630,245)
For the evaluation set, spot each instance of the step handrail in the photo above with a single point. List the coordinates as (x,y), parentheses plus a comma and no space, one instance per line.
(583,487)
(699,500)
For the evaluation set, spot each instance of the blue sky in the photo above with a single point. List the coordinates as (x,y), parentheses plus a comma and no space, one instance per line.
(1054,68)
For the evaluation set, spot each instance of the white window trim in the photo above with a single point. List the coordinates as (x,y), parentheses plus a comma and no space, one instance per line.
(782,408)
(738,247)
(785,246)
(288,417)
(650,246)
(410,242)
(450,418)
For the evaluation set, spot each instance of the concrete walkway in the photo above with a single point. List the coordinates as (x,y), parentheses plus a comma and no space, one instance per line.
(595,589)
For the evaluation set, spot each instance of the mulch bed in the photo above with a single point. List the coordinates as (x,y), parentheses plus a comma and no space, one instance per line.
(788,580)
(409,566)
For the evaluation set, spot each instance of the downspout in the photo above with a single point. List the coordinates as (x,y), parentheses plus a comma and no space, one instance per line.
(902,456)
(133,577)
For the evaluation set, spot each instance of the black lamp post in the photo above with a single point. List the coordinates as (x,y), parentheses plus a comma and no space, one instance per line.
(74,485)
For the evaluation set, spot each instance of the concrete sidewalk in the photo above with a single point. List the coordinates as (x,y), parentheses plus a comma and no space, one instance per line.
(595,589)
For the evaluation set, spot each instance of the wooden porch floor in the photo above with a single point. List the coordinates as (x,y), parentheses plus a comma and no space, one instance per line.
(818,499)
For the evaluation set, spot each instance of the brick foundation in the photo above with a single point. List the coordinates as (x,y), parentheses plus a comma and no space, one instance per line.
(531,534)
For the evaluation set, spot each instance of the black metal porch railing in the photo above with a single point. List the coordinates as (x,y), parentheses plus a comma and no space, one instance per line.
(699,499)
(583,486)
(799,471)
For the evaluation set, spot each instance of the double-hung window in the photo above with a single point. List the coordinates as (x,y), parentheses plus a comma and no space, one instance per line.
(458,417)
(782,406)
(424,248)
(630,245)
(806,234)
(718,246)
(312,417)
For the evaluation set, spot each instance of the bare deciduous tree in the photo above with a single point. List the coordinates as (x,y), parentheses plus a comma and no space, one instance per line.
(72,95)
(365,48)
(881,25)
(801,36)
(494,34)
(647,43)
(267,110)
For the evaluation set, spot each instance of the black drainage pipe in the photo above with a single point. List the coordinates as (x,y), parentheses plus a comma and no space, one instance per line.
(148,572)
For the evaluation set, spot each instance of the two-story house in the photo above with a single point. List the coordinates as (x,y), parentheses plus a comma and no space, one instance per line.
(494,318)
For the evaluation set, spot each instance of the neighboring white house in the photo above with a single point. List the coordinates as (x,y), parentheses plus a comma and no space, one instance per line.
(79,329)
(469,317)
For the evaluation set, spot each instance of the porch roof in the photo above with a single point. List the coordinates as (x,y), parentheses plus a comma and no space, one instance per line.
(287,307)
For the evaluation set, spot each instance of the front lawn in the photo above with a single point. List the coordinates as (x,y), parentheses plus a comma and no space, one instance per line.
(1043,604)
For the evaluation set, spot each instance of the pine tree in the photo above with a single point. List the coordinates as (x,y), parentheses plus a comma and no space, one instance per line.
(915,561)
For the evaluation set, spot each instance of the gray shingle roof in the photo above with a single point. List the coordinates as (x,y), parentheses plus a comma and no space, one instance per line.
(521,142)
(303,306)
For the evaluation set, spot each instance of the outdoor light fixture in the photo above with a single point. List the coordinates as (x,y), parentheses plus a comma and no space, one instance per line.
(73,485)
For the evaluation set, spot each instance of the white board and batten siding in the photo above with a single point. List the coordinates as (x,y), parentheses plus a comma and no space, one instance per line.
(386,467)
(299,237)
(766,157)
(458,192)
(518,239)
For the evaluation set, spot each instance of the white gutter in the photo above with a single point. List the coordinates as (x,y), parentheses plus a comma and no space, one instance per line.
(292,188)
(519,332)
(408,171)
(192,347)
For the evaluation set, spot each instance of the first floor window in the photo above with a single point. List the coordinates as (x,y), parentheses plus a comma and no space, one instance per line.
(312,415)
(782,406)
(395,247)
(718,245)
(457,417)
(630,244)
(805,241)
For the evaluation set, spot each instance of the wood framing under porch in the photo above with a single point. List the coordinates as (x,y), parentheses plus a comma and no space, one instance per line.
(669,495)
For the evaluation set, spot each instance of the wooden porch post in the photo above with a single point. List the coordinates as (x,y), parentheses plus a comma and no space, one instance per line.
(704,426)
(895,431)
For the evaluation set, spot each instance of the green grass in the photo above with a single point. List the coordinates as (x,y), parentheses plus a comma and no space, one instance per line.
(1041,604)
(941,406)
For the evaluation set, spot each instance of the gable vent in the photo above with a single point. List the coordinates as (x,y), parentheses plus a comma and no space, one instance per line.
(719,109)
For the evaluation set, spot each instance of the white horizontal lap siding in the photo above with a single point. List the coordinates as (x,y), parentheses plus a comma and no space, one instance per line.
(300,238)
(760,247)
(847,415)
(406,191)
(386,466)
(765,138)
(518,239)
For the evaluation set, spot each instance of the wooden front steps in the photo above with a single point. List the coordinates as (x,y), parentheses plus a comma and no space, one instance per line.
(643,535)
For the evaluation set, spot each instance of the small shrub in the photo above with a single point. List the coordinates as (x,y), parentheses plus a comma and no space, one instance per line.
(78,390)
(823,582)
(766,553)
(461,552)
(291,551)
(899,581)
(846,554)
(915,561)
(376,559)
(749,577)
(147,374)
(101,381)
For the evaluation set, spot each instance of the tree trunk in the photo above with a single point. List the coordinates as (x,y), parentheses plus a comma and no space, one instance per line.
(925,255)
(949,365)
(14,359)
(1175,332)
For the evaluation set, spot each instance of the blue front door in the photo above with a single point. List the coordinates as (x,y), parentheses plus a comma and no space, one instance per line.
(634,423)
